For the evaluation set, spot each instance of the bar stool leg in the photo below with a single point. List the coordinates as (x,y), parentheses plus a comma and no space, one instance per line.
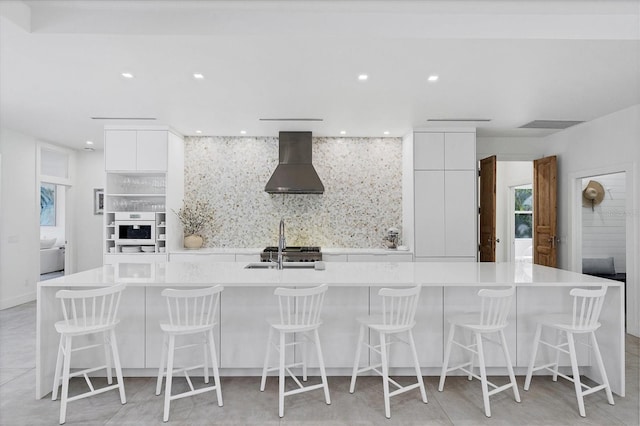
(116,361)
(483,375)
(323,373)
(304,357)
(266,361)
(56,378)
(507,358)
(356,362)
(205,349)
(107,357)
(385,375)
(603,373)
(416,364)
(65,379)
(576,374)
(163,361)
(536,342)
(281,376)
(167,388)
(216,373)
(447,354)
(558,343)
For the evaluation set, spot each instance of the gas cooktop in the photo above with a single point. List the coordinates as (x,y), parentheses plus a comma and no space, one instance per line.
(292,254)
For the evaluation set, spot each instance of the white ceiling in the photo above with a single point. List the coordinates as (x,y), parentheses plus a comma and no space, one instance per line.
(508,61)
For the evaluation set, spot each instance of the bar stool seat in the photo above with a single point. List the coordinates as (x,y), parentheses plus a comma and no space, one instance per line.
(398,313)
(587,305)
(191,312)
(87,312)
(492,319)
(300,311)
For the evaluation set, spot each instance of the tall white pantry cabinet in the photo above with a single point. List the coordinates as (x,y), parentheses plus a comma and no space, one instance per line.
(144,169)
(444,193)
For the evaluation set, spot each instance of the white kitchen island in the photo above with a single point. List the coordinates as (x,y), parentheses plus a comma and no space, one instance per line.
(448,289)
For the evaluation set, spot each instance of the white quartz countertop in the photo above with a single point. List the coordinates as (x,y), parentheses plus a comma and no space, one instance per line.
(351,274)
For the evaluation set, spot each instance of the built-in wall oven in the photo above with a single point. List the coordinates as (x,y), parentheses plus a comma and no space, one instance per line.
(135,228)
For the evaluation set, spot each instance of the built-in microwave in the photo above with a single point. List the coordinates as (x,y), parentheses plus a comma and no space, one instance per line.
(135,228)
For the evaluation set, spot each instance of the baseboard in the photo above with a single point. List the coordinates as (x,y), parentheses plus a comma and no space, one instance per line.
(18,300)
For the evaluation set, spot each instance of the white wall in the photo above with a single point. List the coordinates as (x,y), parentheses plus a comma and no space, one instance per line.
(511,149)
(604,225)
(605,145)
(87,226)
(509,174)
(19,239)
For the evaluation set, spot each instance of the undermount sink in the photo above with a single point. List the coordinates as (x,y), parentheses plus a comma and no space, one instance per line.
(285,265)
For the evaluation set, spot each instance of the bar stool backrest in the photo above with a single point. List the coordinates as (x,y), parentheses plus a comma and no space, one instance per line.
(495,306)
(301,306)
(399,305)
(193,308)
(587,305)
(91,308)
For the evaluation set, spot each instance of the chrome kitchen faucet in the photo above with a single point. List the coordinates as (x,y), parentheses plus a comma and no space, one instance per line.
(282,242)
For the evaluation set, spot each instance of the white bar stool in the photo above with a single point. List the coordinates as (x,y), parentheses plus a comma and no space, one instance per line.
(398,313)
(492,319)
(87,312)
(587,305)
(190,312)
(299,313)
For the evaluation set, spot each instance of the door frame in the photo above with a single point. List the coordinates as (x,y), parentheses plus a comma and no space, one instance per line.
(632,240)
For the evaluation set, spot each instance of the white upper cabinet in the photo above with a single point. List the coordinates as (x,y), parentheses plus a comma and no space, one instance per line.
(136,150)
(428,151)
(460,151)
(120,149)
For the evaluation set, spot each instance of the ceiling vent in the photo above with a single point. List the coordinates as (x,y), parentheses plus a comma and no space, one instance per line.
(457,120)
(291,119)
(550,124)
(123,118)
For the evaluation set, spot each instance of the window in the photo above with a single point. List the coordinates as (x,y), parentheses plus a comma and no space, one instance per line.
(523,210)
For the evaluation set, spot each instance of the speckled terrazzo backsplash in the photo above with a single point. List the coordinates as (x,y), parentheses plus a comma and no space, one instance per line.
(363,191)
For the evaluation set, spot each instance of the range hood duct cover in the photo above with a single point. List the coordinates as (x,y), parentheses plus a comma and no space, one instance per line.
(295,173)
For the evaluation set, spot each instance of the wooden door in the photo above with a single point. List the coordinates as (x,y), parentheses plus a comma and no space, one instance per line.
(488,209)
(545,205)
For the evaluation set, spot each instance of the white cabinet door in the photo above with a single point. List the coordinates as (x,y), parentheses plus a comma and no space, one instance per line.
(202,258)
(120,150)
(428,151)
(465,300)
(427,332)
(460,213)
(382,257)
(243,325)
(460,151)
(247,258)
(429,213)
(339,330)
(152,149)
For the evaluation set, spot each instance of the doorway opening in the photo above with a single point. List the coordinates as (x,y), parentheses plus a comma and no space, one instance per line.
(52,230)
(514,212)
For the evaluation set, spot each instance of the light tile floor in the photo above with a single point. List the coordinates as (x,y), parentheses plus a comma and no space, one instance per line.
(547,403)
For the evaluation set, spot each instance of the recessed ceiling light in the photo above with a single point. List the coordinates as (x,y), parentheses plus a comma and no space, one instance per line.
(127,75)
(198,131)
(363,77)
(89,142)
(243,132)
(343,132)
(386,133)
(433,78)
(198,76)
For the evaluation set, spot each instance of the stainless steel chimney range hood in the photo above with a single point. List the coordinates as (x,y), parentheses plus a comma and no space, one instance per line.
(295,173)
